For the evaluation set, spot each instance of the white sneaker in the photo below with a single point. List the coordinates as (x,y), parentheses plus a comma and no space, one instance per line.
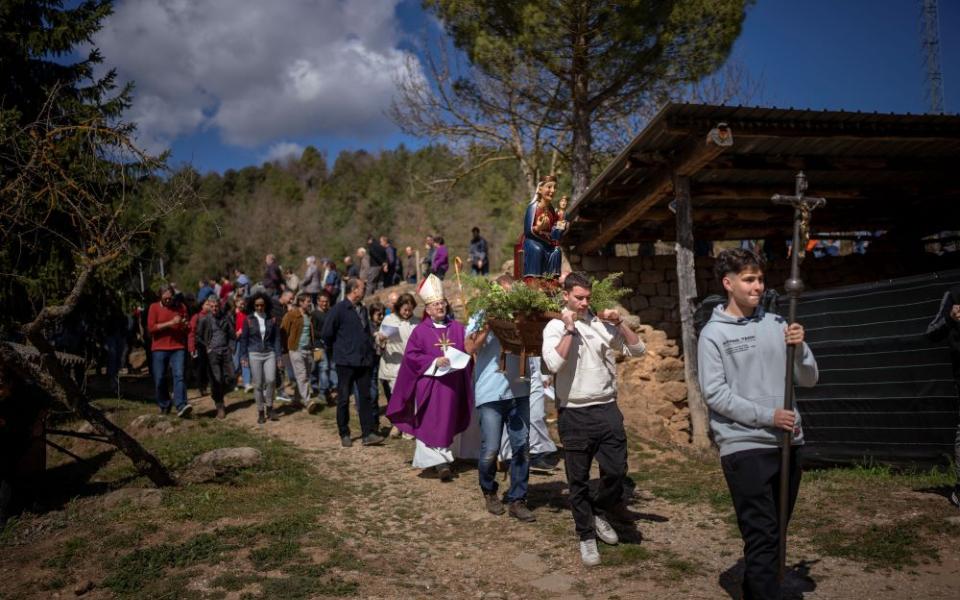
(604,531)
(589,553)
(247,389)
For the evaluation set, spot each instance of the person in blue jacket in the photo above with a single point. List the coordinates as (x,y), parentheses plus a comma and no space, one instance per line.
(260,350)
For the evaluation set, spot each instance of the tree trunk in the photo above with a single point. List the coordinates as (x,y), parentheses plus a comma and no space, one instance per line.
(581,113)
(53,379)
(687,292)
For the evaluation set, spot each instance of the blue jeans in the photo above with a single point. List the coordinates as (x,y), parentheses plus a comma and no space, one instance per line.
(238,366)
(515,415)
(324,376)
(175,359)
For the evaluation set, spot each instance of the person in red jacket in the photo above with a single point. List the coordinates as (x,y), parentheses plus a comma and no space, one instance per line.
(168,326)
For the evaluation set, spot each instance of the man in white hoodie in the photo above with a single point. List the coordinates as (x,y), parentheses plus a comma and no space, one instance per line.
(579,349)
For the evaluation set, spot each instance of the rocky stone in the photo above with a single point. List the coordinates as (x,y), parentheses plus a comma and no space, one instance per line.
(530,563)
(554,583)
(669,349)
(591,264)
(161,424)
(618,264)
(646,289)
(651,277)
(210,465)
(230,458)
(670,369)
(137,497)
(666,410)
(650,315)
(639,302)
(673,391)
(663,302)
(85,587)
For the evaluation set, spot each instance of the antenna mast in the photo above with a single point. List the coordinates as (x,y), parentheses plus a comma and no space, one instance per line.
(930,25)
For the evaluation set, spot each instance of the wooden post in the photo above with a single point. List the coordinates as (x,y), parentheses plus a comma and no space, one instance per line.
(419,272)
(687,292)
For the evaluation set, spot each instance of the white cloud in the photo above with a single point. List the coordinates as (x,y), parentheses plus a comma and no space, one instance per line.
(256,71)
(282,151)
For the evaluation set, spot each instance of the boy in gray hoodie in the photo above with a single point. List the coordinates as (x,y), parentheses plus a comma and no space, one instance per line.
(742,356)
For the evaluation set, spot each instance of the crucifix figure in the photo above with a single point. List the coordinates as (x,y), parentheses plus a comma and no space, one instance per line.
(802,205)
(444,343)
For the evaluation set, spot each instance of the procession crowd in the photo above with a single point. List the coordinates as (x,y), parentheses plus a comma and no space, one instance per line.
(451,387)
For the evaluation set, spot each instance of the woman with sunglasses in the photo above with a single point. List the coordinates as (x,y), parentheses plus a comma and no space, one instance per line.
(260,350)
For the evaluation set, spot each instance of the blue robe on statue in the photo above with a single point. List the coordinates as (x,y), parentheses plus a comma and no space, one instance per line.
(541,256)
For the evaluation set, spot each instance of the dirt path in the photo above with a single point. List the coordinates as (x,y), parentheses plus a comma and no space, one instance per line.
(427,539)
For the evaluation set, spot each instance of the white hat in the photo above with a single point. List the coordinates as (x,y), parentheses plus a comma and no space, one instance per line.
(431,289)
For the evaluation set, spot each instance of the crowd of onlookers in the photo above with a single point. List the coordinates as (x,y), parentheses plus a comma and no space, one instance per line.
(272,336)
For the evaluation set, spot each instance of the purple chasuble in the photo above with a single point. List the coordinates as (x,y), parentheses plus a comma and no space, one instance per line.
(443,404)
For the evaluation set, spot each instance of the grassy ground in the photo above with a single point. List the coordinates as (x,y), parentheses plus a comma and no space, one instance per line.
(262,528)
(868,514)
(283,529)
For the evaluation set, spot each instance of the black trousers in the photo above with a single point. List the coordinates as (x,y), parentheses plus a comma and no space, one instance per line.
(348,375)
(202,370)
(220,370)
(587,433)
(753,477)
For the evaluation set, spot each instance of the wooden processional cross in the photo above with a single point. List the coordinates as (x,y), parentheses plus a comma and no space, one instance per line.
(802,205)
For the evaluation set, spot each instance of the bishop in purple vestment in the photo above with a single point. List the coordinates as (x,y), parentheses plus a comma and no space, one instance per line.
(433,409)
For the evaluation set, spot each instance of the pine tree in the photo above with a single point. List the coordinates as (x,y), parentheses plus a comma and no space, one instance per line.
(46,89)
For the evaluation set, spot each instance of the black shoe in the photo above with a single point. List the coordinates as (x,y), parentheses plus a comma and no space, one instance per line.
(272,414)
(261,417)
(494,506)
(184,412)
(621,514)
(548,461)
(372,439)
(444,472)
(519,510)
(955,496)
(346,442)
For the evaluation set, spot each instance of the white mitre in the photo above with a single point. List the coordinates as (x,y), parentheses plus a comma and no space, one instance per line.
(431,289)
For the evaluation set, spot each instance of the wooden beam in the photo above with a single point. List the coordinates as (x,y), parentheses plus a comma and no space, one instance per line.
(691,159)
(819,162)
(898,130)
(687,292)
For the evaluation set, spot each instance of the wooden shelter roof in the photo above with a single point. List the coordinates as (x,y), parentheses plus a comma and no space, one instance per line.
(877,172)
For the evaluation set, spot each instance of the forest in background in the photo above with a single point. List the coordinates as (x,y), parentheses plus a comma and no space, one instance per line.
(303,206)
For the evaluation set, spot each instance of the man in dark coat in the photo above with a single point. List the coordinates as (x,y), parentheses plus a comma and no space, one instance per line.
(346,331)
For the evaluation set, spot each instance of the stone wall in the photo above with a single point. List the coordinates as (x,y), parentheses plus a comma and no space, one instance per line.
(653,279)
(652,391)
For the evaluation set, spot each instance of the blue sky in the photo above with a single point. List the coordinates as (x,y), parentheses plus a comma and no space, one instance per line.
(230,83)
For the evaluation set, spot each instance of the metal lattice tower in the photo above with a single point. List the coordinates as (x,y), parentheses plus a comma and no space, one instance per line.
(930,26)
